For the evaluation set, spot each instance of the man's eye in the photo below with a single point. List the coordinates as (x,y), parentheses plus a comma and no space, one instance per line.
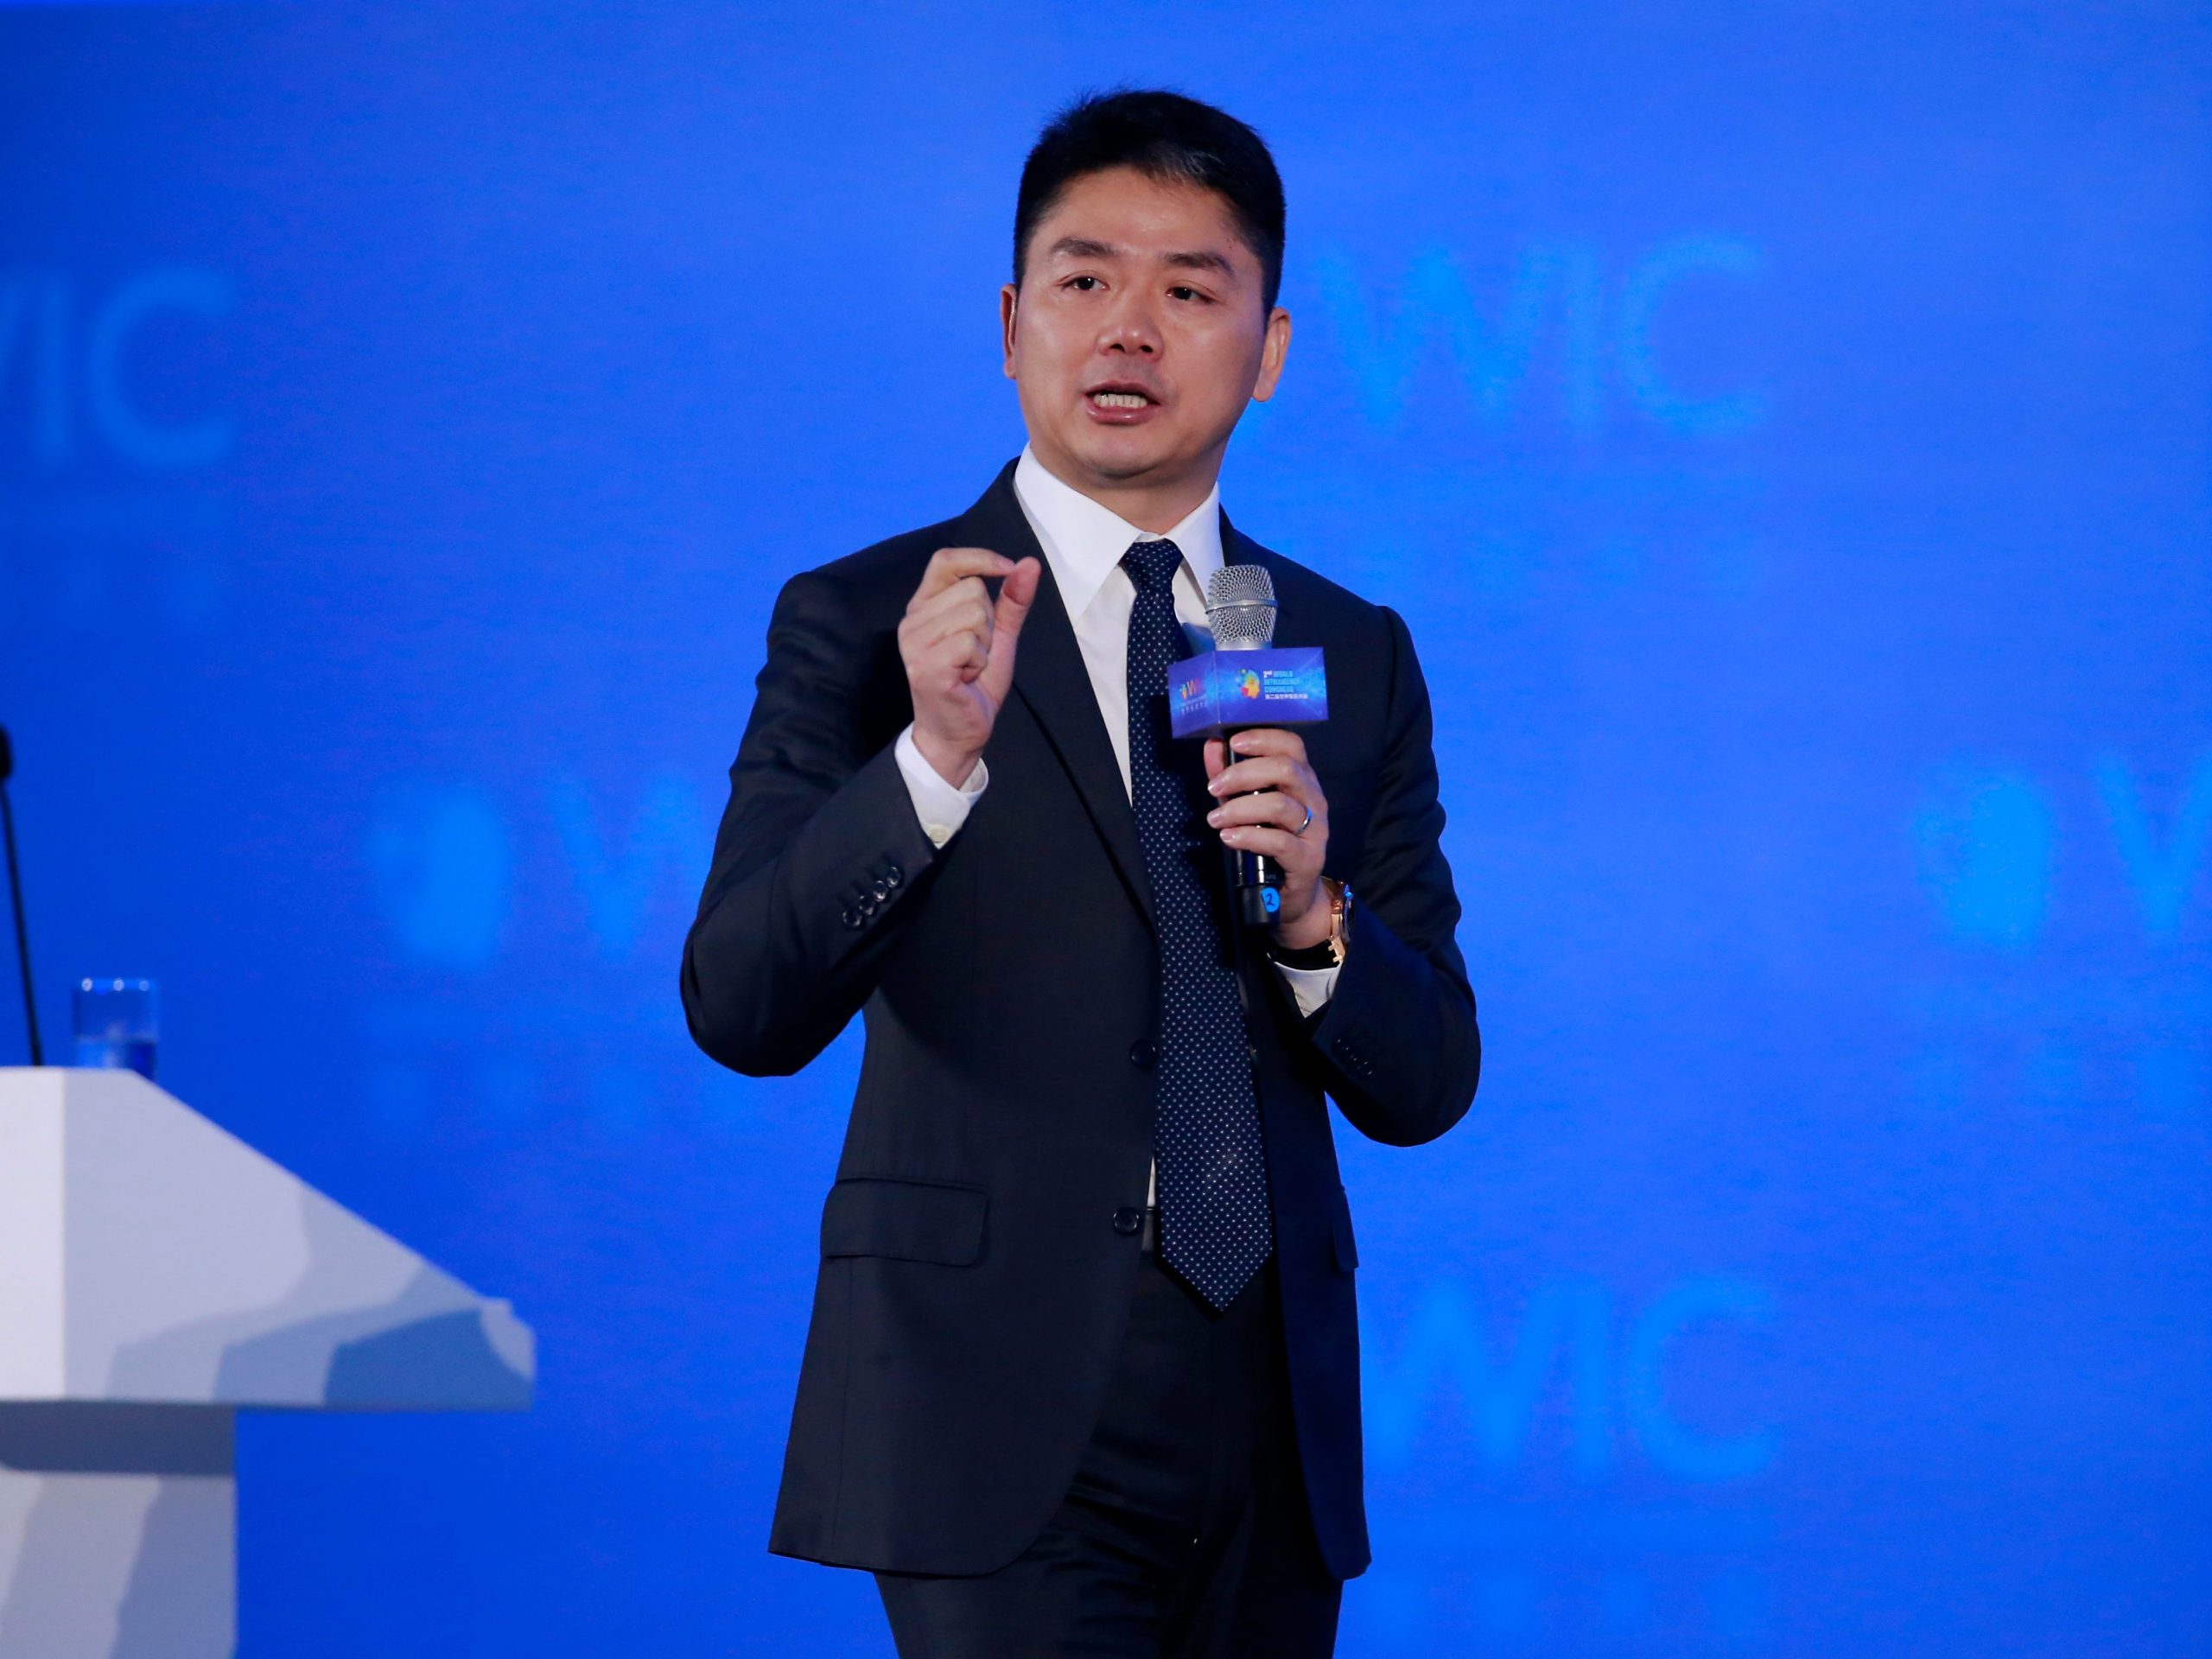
(1085,283)
(1182,292)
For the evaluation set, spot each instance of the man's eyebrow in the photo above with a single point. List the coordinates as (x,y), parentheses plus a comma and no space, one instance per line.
(1084,247)
(1203,259)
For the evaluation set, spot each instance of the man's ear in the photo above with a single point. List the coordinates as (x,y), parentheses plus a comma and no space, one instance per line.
(1008,296)
(1272,350)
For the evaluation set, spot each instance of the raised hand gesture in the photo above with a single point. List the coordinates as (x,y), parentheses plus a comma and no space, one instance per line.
(959,645)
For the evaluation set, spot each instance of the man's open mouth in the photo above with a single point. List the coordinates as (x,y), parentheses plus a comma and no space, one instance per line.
(1119,397)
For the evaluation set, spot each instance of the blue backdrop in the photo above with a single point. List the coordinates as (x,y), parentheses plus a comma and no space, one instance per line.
(1786,429)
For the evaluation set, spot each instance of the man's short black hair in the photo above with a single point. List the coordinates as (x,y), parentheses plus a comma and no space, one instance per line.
(1163,135)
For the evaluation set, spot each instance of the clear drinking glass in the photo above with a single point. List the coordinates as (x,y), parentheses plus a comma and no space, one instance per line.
(118,1023)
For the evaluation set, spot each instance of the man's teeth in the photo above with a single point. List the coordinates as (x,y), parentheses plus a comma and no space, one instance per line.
(1120,399)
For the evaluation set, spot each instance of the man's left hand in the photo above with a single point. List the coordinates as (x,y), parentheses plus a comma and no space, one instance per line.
(1273,822)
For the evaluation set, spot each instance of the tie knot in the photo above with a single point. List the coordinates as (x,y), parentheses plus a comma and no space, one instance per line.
(1151,565)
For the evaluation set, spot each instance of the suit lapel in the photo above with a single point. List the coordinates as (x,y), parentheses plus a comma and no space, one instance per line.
(1050,678)
(1237,548)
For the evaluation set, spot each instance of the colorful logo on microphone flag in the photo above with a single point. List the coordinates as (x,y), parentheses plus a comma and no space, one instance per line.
(1223,690)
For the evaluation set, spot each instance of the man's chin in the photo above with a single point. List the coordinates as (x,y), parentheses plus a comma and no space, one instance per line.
(1120,460)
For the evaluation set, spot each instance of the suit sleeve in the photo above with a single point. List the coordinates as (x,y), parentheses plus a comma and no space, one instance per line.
(1399,1039)
(820,856)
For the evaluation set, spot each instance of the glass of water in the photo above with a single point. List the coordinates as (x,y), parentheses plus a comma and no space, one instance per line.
(118,1023)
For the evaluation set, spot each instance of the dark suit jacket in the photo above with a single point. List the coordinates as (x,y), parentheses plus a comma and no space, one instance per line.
(974,1283)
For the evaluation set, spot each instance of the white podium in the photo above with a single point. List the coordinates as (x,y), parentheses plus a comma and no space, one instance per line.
(157,1276)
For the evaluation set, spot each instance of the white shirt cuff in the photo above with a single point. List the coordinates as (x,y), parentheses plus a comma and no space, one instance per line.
(1311,988)
(941,808)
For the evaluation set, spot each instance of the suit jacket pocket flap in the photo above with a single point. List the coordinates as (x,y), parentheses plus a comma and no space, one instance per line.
(906,1221)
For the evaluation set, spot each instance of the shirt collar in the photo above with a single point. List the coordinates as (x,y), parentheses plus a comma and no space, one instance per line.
(1083,541)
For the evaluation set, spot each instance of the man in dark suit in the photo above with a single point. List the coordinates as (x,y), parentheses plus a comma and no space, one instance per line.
(1083,1374)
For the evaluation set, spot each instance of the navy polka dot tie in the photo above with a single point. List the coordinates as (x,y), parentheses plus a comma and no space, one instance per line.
(1215,1227)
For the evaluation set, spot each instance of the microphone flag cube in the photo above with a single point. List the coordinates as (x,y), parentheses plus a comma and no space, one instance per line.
(1219,692)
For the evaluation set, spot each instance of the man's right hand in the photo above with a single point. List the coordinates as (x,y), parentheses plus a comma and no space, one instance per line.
(958,647)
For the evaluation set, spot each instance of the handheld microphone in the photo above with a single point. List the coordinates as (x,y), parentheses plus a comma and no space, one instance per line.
(1240,611)
(16,896)
(1245,682)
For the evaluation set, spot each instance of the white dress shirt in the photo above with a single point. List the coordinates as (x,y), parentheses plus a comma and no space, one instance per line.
(1084,543)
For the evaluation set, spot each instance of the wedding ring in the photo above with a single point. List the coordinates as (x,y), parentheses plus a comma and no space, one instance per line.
(1308,825)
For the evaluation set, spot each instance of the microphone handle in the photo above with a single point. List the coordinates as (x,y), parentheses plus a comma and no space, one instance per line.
(1257,884)
(1254,882)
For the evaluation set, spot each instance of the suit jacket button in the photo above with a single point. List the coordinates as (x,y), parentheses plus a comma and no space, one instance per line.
(850,918)
(892,876)
(1142,1054)
(880,891)
(1127,1221)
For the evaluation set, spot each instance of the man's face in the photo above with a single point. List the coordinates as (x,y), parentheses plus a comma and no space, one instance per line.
(1138,335)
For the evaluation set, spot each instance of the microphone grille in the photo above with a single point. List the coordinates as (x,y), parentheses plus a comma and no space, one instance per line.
(1240,606)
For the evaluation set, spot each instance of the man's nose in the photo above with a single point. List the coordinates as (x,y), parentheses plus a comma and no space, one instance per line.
(1131,330)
